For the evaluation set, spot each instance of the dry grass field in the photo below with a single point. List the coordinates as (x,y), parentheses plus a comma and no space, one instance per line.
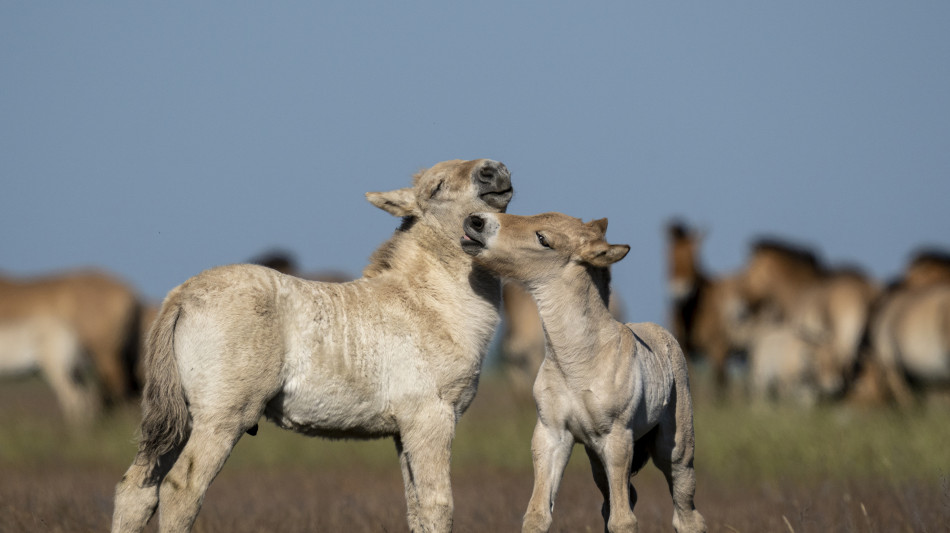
(834,469)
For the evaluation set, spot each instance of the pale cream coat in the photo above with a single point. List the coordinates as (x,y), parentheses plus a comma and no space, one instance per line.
(396,354)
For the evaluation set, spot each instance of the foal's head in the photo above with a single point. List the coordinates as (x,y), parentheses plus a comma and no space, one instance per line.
(538,248)
(447,192)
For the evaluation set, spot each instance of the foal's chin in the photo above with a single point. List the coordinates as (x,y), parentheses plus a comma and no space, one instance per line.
(471,246)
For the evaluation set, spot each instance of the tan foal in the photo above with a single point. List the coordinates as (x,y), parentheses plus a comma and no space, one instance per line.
(621,390)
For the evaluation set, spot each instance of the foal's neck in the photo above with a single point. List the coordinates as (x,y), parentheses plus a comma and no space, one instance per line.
(577,321)
(429,261)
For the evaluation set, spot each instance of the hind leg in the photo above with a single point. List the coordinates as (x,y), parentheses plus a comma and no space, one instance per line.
(675,460)
(136,496)
(135,499)
(682,481)
(183,489)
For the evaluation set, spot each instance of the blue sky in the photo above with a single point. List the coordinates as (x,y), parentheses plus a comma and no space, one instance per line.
(159,140)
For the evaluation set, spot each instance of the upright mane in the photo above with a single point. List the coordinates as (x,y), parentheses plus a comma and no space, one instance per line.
(788,251)
(600,276)
(677,229)
(934,256)
(381,259)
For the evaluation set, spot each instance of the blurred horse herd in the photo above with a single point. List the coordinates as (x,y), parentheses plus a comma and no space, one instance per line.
(810,332)
(799,330)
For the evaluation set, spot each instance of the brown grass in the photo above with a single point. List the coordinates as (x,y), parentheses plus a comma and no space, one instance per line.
(761,471)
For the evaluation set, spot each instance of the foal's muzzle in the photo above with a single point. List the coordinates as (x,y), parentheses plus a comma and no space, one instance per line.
(473,241)
(494,184)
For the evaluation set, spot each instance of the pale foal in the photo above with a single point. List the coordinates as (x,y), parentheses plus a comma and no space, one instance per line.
(621,390)
(381,356)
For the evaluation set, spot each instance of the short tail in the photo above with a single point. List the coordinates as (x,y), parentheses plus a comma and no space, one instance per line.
(164,409)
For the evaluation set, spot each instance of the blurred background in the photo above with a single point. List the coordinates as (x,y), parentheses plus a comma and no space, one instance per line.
(157,141)
(781,171)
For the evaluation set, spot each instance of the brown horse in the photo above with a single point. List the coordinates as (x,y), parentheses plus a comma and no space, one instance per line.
(910,329)
(828,309)
(910,339)
(100,308)
(926,267)
(776,275)
(831,318)
(709,316)
(45,345)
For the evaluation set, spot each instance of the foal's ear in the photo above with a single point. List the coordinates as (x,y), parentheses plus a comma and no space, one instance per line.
(400,202)
(600,225)
(604,255)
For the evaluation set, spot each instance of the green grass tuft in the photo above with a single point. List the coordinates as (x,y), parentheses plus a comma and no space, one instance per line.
(736,442)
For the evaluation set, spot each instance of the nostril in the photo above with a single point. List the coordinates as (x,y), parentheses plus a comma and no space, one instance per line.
(476,222)
(486,174)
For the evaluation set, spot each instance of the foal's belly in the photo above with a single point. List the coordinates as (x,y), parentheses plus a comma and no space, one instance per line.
(336,411)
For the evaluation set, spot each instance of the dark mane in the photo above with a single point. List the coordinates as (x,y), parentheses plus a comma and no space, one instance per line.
(601,278)
(787,250)
(930,255)
(279,260)
(677,229)
(381,259)
(848,270)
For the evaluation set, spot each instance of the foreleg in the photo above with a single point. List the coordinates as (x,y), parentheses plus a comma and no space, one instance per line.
(600,478)
(617,457)
(412,498)
(425,456)
(550,450)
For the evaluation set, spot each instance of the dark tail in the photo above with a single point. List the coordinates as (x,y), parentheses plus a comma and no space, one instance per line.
(164,409)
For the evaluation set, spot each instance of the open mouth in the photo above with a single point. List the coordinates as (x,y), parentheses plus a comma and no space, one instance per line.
(471,245)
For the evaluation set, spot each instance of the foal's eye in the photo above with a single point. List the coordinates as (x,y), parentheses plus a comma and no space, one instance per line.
(437,189)
(542,241)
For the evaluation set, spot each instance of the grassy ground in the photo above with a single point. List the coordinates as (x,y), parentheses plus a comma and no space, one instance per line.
(759,469)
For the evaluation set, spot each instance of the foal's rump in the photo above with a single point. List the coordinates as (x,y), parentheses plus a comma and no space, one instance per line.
(655,358)
(207,354)
(667,405)
(659,351)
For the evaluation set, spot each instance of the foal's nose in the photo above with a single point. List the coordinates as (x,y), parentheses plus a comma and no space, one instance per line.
(475,222)
(491,170)
(495,174)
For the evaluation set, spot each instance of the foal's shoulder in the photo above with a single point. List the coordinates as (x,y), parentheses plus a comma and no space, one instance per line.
(654,336)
